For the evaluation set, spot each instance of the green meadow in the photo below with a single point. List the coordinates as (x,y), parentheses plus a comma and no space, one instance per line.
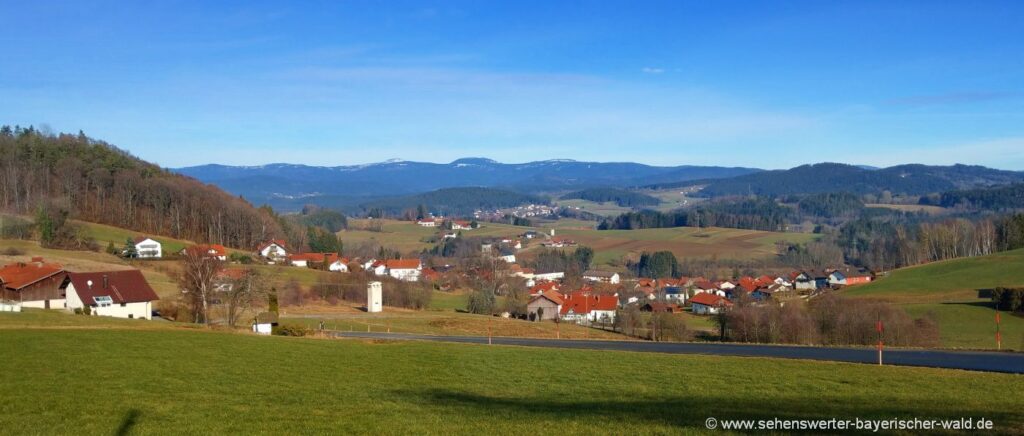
(948,291)
(95,376)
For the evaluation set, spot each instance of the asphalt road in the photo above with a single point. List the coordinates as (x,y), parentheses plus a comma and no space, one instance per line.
(969,360)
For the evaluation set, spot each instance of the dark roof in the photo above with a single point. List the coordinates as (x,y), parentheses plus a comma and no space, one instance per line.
(122,286)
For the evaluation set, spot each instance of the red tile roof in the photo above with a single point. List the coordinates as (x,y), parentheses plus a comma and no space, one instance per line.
(212,249)
(314,257)
(583,303)
(19,275)
(279,242)
(403,263)
(139,239)
(552,296)
(709,299)
(122,286)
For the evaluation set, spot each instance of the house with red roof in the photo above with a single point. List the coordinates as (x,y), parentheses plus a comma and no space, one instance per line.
(213,250)
(706,303)
(583,307)
(120,294)
(32,284)
(544,306)
(335,262)
(426,222)
(408,270)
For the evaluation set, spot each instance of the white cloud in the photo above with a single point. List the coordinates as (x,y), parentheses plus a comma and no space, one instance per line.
(652,70)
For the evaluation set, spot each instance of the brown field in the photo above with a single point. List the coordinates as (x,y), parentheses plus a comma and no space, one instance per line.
(931,210)
(685,242)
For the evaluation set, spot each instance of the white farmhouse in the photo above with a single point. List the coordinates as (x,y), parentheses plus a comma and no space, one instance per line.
(120,294)
(147,248)
(601,276)
(407,270)
(274,249)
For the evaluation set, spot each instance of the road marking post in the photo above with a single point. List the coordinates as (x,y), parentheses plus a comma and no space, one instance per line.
(880,331)
(999,334)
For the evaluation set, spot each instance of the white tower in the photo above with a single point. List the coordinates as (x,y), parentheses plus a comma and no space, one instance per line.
(373,297)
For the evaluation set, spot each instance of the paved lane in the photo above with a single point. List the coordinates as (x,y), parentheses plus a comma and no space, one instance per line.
(970,360)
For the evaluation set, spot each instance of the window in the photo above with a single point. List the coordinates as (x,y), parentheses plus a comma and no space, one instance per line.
(103,300)
(124,304)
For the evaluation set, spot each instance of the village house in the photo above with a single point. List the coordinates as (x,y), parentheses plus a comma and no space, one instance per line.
(426,222)
(601,276)
(274,250)
(334,262)
(213,250)
(582,307)
(377,267)
(507,254)
(461,225)
(848,278)
(404,269)
(549,276)
(706,303)
(544,306)
(810,280)
(33,284)
(119,294)
(147,248)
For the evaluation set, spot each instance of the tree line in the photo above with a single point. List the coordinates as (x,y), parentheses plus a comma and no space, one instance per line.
(91,180)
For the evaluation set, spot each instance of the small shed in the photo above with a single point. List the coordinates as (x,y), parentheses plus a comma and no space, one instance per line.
(264,323)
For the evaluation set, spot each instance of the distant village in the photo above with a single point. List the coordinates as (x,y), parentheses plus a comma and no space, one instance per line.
(595,297)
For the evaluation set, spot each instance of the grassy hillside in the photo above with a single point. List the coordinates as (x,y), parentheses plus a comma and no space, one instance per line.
(104,234)
(949,291)
(113,377)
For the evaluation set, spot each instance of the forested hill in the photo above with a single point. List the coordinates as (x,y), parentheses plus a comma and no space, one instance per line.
(78,177)
(997,198)
(453,201)
(832,177)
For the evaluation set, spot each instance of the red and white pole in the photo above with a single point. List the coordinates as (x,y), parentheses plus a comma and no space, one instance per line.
(880,330)
(999,334)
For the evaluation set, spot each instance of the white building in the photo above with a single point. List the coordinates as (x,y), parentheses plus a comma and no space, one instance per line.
(147,248)
(706,303)
(374,302)
(264,323)
(120,294)
(426,223)
(274,249)
(601,276)
(550,276)
(404,269)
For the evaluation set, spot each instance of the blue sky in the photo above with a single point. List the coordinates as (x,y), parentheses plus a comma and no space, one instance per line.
(770,85)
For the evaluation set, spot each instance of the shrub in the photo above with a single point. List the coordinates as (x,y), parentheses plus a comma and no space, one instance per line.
(13,251)
(292,330)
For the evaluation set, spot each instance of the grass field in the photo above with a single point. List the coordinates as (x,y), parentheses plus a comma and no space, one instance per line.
(606,209)
(98,379)
(105,234)
(949,291)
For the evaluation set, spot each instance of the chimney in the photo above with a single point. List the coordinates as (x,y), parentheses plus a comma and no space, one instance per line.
(106,282)
(38,260)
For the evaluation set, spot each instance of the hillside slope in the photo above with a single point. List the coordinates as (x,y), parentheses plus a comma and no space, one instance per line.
(948,291)
(87,179)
